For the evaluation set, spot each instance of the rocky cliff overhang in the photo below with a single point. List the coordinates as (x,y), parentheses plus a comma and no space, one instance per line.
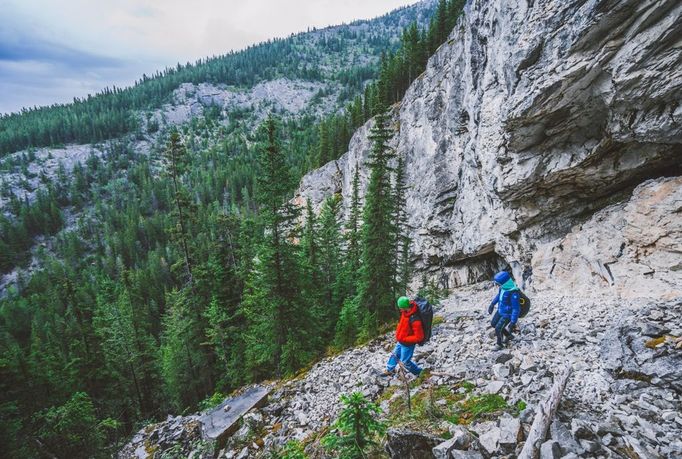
(534,116)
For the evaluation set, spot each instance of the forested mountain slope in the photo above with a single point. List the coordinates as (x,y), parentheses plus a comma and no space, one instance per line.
(173,266)
(543,138)
(137,269)
(340,58)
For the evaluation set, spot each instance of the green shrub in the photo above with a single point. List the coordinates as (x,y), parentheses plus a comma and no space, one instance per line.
(293,450)
(212,401)
(354,431)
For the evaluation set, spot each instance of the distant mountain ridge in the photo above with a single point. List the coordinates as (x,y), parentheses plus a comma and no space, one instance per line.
(345,53)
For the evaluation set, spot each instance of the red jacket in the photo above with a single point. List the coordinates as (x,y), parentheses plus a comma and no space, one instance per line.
(409,332)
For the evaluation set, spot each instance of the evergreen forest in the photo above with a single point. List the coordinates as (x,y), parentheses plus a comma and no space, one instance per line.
(156,283)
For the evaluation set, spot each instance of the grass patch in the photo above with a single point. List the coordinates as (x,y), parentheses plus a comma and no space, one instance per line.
(389,392)
(652,343)
(453,403)
(477,406)
(437,320)
(430,407)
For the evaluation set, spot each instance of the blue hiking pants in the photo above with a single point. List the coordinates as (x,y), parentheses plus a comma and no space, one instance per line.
(403,353)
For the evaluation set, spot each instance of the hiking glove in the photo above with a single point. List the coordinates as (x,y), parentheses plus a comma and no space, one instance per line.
(490,308)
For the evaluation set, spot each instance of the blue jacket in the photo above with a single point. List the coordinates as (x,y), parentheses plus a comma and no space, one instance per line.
(509,305)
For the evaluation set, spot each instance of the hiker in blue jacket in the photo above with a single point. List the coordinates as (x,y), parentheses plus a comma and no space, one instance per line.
(508,309)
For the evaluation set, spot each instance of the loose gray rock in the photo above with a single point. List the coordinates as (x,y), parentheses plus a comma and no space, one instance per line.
(561,434)
(490,441)
(503,357)
(457,454)
(461,436)
(510,432)
(442,451)
(550,450)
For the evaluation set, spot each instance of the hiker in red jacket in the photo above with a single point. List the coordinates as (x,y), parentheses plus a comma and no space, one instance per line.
(408,333)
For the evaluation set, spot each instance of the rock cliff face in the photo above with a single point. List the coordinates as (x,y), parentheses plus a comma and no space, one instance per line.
(525,138)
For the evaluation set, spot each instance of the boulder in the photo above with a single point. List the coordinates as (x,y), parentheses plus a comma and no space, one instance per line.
(550,450)
(409,444)
(510,432)
(560,434)
(490,441)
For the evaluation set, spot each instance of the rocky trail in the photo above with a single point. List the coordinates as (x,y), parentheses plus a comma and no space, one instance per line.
(623,399)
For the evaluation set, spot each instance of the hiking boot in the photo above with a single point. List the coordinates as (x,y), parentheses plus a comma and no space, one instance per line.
(499,346)
(386,374)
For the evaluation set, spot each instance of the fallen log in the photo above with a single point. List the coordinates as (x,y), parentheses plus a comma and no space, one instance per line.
(543,418)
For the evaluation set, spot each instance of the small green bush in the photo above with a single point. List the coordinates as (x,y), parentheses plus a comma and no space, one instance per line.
(356,428)
(292,450)
(212,401)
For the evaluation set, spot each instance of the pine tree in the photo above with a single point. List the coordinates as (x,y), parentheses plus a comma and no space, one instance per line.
(224,320)
(127,347)
(442,22)
(309,240)
(181,355)
(71,430)
(330,264)
(356,428)
(279,336)
(375,289)
(176,164)
(324,146)
(351,260)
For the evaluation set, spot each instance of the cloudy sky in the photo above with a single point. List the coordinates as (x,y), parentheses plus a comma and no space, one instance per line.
(54,50)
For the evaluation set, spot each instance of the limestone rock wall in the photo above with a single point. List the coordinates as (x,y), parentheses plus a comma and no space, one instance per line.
(533,117)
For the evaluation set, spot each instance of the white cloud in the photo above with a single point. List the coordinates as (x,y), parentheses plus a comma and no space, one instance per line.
(185,30)
(142,36)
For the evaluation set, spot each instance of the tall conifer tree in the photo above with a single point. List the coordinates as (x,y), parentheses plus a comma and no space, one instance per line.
(279,337)
(375,289)
(176,164)
(330,264)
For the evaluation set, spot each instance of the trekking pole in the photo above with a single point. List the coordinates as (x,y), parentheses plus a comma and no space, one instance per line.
(402,374)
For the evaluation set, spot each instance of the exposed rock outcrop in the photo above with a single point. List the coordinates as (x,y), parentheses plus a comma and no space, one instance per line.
(635,247)
(531,118)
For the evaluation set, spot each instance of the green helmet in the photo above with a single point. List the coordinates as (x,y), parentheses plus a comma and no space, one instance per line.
(403,302)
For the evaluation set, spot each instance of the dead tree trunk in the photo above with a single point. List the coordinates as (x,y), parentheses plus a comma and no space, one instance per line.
(543,418)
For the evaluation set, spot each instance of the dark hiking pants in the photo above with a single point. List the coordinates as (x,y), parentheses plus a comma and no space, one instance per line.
(500,325)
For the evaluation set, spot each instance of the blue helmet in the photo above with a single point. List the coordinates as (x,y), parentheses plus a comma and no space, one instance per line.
(502,277)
